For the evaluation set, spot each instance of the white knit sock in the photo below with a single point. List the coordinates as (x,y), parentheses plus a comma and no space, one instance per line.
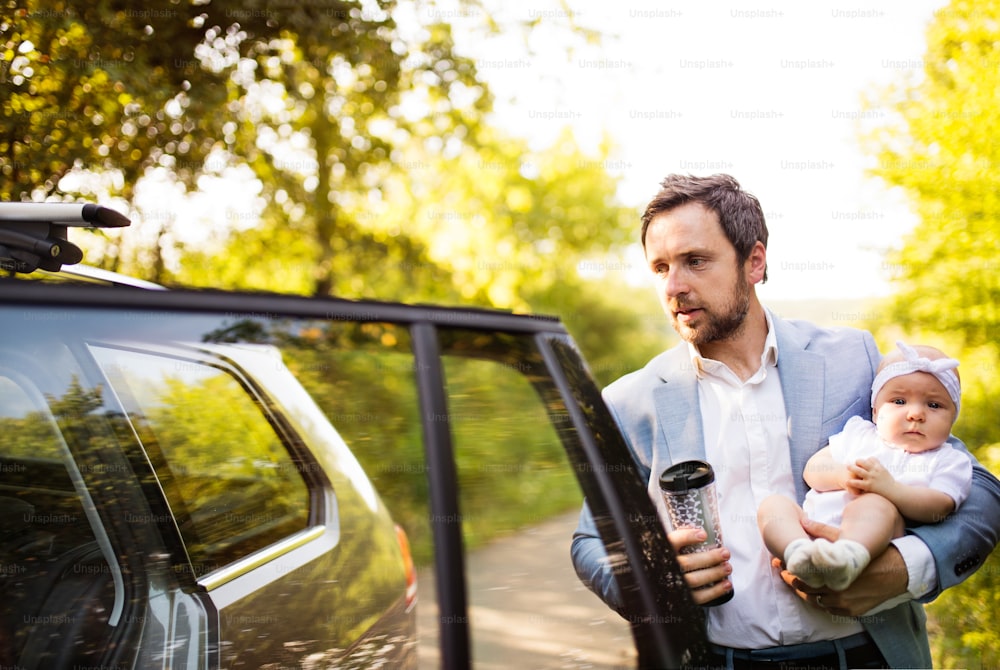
(799,562)
(840,562)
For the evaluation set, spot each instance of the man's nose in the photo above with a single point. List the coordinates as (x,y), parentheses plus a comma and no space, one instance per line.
(675,283)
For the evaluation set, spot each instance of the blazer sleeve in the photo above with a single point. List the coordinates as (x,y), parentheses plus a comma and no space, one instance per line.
(590,559)
(962,542)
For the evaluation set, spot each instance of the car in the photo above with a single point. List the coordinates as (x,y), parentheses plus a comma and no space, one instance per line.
(182,482)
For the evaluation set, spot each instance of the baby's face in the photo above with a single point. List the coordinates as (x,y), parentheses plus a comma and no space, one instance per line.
(914,412)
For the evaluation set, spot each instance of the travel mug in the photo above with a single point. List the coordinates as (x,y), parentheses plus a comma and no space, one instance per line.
(688,490)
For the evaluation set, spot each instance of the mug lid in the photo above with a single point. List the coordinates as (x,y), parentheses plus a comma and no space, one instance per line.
(685,475)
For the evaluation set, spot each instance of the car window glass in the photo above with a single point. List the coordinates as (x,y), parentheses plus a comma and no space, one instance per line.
(55,580)
(353,407)
(227,474)
(27,432)
(41,496)
(362,376)
(519,503)
(518,494)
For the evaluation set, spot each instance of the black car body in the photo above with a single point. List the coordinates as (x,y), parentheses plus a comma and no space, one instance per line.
(173,497)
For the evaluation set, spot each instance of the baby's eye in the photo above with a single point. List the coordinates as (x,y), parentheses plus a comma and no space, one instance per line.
(898,401)
(935,405)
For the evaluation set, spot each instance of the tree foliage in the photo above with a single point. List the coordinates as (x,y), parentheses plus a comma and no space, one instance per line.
(939,146)
(321,123)
(313,97)
(367,140)
(100,86)
(492,223)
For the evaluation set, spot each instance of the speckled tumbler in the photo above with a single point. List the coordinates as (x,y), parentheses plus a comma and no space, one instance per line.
(688,490)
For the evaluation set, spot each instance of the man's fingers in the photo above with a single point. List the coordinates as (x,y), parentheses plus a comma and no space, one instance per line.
(702,596)
(686,537)
(699,560)
(852,602)
(707,562)
(820,597)
(817,529)
(705,572)
(803,590)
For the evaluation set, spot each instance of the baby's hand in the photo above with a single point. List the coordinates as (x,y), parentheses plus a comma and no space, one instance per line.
(868,474)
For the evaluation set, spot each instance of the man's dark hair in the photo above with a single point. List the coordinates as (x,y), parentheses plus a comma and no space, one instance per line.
(739,212)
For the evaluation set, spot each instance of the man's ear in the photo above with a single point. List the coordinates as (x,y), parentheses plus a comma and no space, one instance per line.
(756,263)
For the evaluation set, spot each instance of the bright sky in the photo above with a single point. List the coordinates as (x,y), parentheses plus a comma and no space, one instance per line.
(768,92)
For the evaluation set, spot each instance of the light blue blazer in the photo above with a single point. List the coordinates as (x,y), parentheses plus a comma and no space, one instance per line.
(826,377)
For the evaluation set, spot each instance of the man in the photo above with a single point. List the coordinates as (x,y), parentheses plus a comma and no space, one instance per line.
(756,396)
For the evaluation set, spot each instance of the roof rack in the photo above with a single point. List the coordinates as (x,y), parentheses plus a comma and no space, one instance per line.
(33,235)
(90,274)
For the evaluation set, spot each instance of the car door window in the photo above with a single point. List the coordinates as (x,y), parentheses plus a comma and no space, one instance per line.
(227,475)
(519,504)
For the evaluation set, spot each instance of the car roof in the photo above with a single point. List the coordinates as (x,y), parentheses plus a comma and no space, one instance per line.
(34,240)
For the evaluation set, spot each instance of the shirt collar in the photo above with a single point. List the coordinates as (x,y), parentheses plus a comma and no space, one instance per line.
(768,358)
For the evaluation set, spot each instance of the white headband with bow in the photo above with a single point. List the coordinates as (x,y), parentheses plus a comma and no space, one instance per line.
(943,369)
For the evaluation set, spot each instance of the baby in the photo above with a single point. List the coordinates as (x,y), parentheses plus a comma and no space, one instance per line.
(873,474)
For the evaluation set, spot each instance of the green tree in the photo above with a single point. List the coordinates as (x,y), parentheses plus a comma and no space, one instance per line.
(310,96)
(377,174)
(320,123)
(515,226)
(496,223)
(939,146)
(507,221)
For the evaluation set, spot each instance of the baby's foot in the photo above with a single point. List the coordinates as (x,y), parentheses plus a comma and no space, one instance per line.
(799,562)
(840,562)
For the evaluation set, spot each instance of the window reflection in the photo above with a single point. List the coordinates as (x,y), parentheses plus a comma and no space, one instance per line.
(226,470)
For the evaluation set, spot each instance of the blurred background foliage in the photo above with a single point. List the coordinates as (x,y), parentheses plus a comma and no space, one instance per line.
(938,144)
(359,149)
(367,166)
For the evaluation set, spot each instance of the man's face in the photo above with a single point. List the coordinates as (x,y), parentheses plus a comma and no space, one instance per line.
(914,412)
(702,288)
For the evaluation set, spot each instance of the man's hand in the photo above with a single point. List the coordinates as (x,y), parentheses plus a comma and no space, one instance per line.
(703,567)
(884,578)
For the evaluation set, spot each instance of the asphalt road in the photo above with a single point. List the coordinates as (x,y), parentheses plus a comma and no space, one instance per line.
(528,610)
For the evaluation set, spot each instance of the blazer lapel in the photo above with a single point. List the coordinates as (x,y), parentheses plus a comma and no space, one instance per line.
(677,409)
(802,384)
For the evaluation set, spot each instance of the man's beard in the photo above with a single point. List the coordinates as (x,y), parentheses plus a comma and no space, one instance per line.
(725,325)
